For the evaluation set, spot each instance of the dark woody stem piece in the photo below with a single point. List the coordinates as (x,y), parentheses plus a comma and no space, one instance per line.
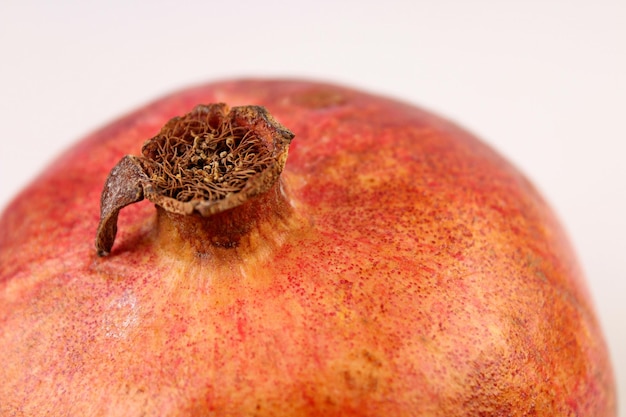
(208,161)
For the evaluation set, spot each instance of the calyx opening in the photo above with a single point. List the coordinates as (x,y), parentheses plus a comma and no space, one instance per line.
(205,162)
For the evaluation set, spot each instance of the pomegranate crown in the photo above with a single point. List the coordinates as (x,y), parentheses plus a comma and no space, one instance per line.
(207,161)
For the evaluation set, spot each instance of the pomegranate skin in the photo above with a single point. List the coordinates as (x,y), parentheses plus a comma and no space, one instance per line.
(417,273)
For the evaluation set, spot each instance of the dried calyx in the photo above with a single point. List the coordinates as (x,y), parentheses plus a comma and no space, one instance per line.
(203,163)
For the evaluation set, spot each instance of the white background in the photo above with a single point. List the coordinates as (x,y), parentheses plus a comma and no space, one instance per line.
(543,81)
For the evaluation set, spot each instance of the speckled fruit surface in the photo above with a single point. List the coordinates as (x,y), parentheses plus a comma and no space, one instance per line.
(409,270)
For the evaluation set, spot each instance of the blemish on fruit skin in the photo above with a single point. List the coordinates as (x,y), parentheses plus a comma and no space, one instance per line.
(121,316)
(317,99)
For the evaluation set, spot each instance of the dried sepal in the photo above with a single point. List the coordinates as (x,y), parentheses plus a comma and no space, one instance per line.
(205,162)
(124,186)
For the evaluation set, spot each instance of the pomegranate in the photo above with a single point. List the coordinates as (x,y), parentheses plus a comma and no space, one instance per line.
(393,265)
